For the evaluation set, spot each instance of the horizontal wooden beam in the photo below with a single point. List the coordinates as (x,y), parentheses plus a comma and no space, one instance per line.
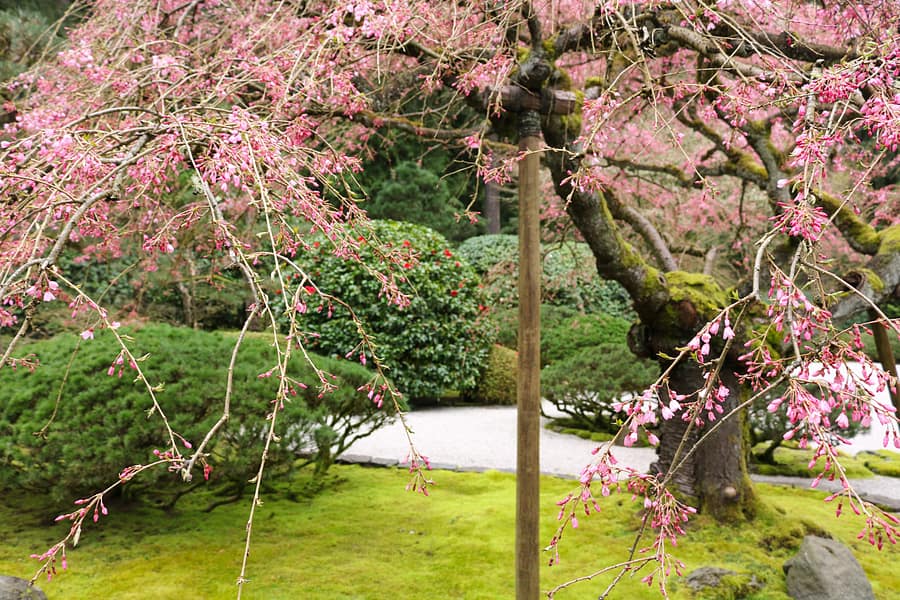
(548,102)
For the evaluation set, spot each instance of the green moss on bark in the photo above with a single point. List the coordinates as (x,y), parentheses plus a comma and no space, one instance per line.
(702,291)
(872,277)
(858,233)
(890,240)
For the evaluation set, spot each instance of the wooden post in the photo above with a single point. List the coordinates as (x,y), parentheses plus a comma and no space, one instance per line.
(529,363)
(529,101)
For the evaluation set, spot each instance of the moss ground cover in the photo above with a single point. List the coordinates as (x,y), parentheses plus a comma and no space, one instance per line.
(795,462)
(366,538)
(882,462)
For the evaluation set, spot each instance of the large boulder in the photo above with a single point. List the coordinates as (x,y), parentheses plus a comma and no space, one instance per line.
(826,569)
(13,588)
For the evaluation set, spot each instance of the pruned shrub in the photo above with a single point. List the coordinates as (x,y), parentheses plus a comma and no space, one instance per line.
(91,425)
(507,322)
(484,252)
(585,383)
(568,336)
(438,342)
(586,363)
(569,275)
(498,382)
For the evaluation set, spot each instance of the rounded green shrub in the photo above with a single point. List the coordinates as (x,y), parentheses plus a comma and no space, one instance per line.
(484,252)
(569,275)
(507,322)
(498,382)
(415,194)
(585,383)
(438,342)
(567,336)
(586,360)
(103,423)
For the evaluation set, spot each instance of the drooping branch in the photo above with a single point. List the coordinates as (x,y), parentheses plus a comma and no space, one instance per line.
(644,228)
(769,174)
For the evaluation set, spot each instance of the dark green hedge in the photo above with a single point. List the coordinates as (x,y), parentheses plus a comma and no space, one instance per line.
(569,275)
(564,330)
(102,424)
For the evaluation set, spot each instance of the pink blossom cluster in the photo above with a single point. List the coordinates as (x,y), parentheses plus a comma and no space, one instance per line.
(881,116)
(496,170)
(418,465)
(667,517)
(801,218)
(604,472)
(662,512)
(790,307)
(599,111)
(117,367)
(848,392)
(812,148)
(641,412)
(486,75)
(699,345)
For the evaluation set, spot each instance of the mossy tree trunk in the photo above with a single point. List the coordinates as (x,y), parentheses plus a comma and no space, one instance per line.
(714,475)
(672,307)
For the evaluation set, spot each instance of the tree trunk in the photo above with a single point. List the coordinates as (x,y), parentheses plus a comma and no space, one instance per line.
(714,477)
(492,207)
(672,307)
(492,200)
(187,305)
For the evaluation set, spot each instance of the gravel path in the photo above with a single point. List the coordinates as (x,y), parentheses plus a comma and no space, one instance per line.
(477,438)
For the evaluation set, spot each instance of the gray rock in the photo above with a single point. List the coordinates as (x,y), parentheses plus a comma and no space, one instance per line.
(739,585)
(13,588)
(705,577)
(826,570)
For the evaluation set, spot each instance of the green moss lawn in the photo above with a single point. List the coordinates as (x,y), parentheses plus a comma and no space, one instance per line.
(795,462)
(364,537)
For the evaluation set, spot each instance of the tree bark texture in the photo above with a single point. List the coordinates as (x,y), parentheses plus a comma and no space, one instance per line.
(492,205)
(714,477)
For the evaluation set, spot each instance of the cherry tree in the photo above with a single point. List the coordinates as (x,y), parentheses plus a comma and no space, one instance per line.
(717,157)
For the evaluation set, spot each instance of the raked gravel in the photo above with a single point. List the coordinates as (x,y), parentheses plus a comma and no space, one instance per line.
(479,438)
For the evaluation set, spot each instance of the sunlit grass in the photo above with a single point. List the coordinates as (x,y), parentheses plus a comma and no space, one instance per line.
(365,537)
